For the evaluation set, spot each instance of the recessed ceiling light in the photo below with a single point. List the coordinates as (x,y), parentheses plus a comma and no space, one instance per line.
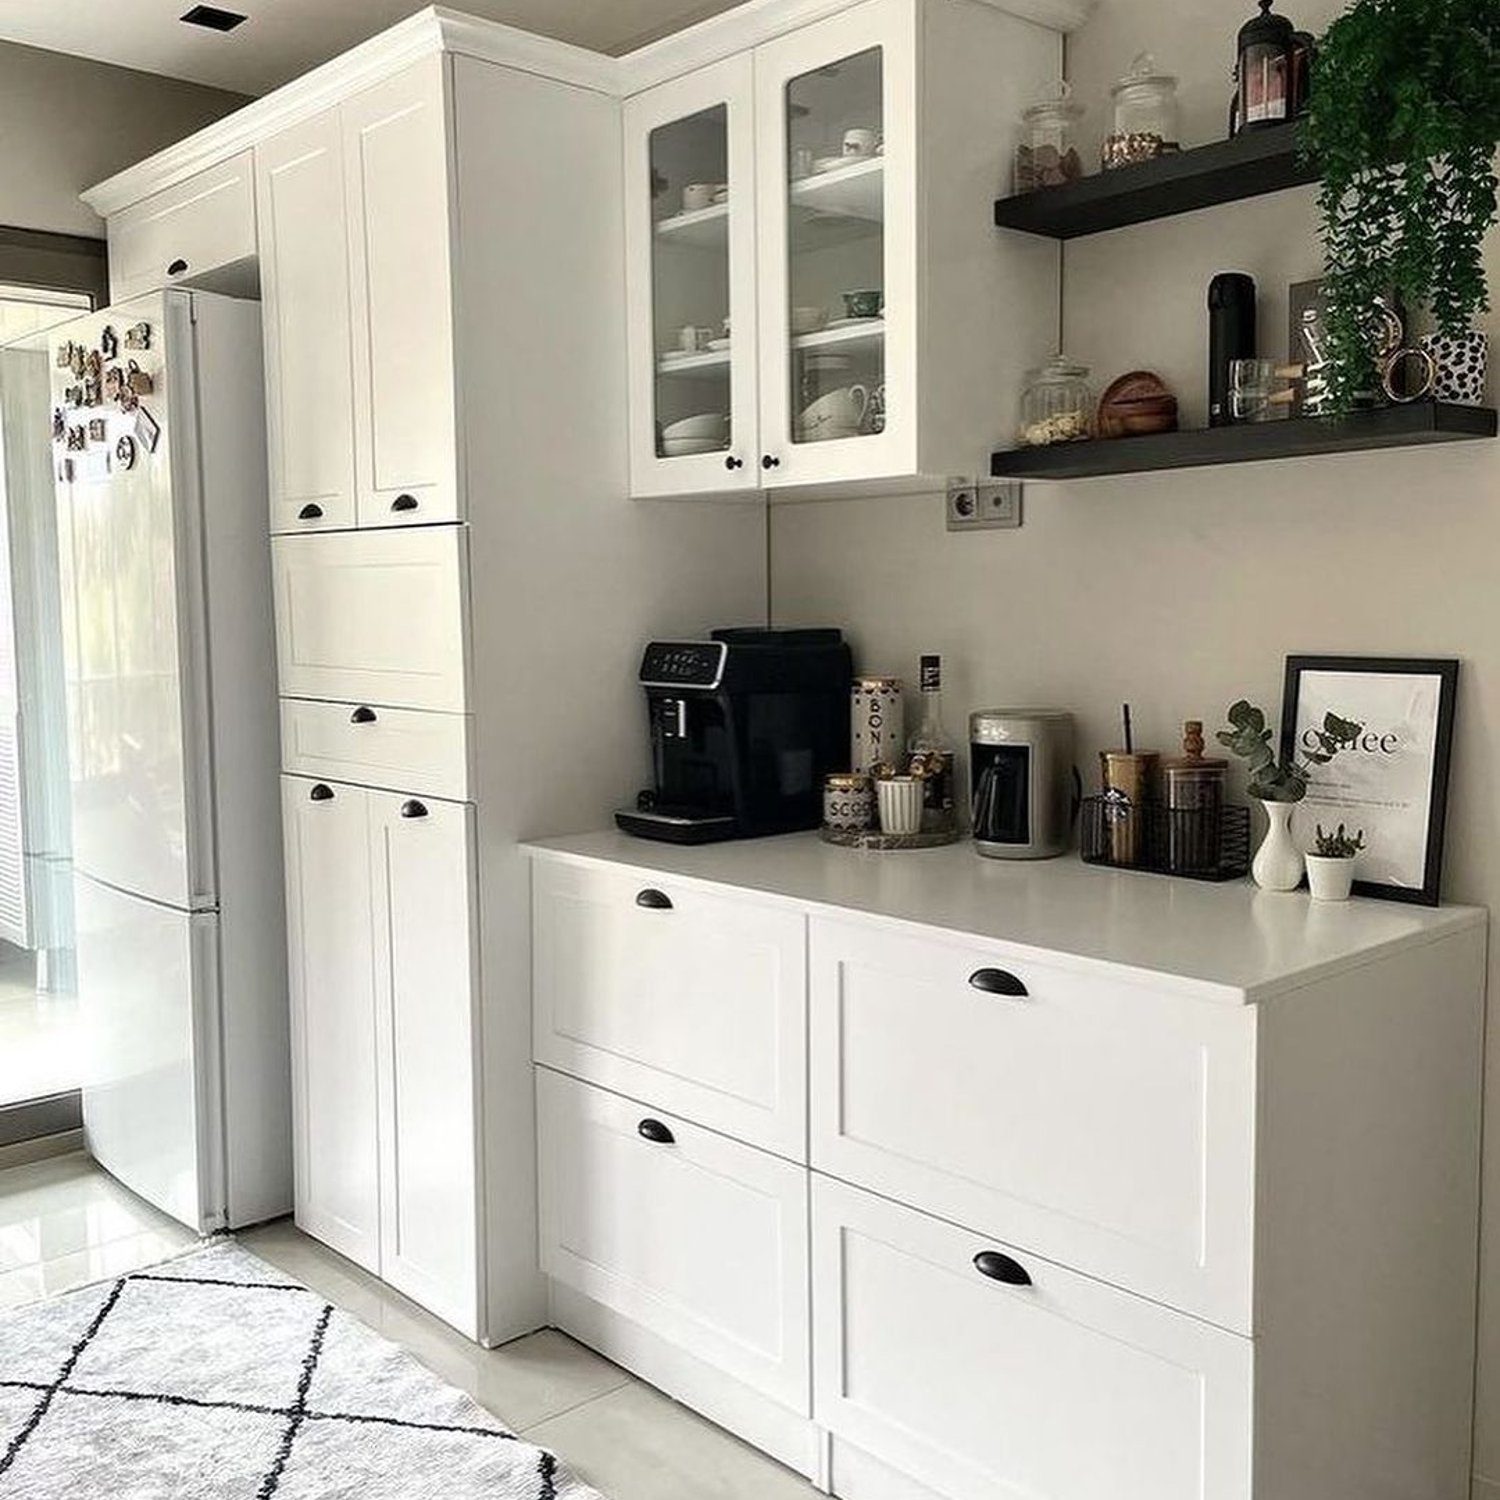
(213,18)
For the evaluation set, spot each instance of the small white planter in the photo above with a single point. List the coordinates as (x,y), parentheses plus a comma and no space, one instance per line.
(1330,879)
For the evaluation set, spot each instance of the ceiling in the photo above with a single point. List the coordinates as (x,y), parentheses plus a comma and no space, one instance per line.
(284,38)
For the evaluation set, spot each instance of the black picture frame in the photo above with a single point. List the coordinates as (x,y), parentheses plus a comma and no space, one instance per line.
(1445,671)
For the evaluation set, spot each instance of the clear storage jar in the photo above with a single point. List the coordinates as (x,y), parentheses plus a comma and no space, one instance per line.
(1145,115)
(1057,404)
(1046,155)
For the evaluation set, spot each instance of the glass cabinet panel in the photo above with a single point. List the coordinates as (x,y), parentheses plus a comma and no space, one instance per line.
(835,200)
(690,284)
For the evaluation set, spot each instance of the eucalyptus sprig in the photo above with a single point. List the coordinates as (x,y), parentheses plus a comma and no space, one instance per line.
(1403,122)
(1273,780)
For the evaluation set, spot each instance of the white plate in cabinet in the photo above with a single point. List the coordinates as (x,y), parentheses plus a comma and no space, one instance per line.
(697,1238)
(373,617)
(400,749)
(184,232)
(672,993)
(1102,1124)
(989,1374)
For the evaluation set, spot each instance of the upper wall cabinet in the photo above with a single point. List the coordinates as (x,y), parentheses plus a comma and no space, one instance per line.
(815,193)
(358,312)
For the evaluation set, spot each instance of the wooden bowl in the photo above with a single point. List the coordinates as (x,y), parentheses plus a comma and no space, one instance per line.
(1135,404)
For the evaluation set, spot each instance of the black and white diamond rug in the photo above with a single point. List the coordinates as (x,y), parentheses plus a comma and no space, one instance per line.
(215,1377)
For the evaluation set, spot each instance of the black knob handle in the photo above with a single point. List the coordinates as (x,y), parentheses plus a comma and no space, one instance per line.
(1001,1267)
(404,502)
(362,715)
(734,463)
(177,268)
(767,461)
(654,1130)
(654,900)
(309,512)
(413,809)
(997,982)
(321,793)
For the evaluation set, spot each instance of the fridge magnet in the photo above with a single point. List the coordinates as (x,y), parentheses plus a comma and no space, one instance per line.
(114,383)
(59,425)
(76,364)
(63,359)
(93,392)
(1392,782)
(138,380)
(98,430)
(65,471)
(125,451)
(73,396)
(77,440)
(109,342)
(138,336)
(147,429)
(93,364)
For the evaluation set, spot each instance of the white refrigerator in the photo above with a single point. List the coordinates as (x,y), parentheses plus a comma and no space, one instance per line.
(158,425)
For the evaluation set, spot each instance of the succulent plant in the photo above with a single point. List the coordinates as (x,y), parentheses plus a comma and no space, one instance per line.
(1271,779)
(1339,845)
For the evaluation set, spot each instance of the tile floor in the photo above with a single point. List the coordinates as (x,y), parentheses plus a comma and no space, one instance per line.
(63,1223)
(39,1052)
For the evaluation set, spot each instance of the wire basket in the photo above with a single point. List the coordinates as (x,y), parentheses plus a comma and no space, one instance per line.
(1196,844)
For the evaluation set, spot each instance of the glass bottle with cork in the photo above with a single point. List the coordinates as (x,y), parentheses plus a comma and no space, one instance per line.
(933,753)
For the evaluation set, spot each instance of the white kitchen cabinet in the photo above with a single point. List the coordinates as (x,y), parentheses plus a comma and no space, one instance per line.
(399,749)
(380,902)
(868,131)
(692,1236)
(193,232)
(304,274)
(992,1374)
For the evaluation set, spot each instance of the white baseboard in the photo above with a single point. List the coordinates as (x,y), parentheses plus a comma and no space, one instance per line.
(1486,1489)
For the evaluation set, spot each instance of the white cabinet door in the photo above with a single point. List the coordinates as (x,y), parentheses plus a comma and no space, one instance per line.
(934,1354)
(690,998)
(690,272)
(185,231)
(304,274)
(397,186)
(422,855)
(330,935)
(1105,1125)
(375,617)
(835,116)
(697,1238)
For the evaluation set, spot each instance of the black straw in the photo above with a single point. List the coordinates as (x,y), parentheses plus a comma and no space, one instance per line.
(1129,740)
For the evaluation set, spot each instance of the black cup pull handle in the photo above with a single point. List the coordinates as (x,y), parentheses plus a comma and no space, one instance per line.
(997,982)
(413,809)
(177,268)
(654,1130)
(362,715)
(404,502)
(310,512)
(1000,1267)
(322,792)
(654,900)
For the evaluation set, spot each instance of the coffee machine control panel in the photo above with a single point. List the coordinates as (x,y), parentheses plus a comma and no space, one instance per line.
(683,664)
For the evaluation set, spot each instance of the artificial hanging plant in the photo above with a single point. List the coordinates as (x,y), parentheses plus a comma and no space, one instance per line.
(1403,122)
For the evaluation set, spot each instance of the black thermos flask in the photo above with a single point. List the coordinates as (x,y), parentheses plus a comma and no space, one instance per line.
(1231,335)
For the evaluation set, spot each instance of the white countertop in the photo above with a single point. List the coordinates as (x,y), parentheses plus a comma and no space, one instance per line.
(1230,942)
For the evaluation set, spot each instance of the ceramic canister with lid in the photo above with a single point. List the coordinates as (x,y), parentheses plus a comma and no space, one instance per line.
(1194,785)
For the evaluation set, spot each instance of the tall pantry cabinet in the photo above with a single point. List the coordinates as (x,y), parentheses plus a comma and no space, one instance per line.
(462,591)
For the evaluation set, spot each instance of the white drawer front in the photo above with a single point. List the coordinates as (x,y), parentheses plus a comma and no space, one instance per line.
(700,1239)
(699,1005)
(1057,1390)
(184,231)
(1104,1125)
(373,617)
(398,749)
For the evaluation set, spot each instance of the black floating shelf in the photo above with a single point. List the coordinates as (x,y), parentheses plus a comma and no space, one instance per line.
(1255,162)
(1297,437)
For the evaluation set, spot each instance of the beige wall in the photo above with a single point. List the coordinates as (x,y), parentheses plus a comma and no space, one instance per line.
(1181,592)
(66,123)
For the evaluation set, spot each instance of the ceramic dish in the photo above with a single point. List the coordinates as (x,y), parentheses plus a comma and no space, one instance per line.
(707,424)
(717,346)
(856,322)
(833,163)
(684,447)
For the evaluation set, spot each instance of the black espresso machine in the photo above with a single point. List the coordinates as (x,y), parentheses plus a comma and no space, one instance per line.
(744,727)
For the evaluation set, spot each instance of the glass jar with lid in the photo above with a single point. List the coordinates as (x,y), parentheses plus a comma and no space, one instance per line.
(1145,115)
(1057,404)
(1045,154)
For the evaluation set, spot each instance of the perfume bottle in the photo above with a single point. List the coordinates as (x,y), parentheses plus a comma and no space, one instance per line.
(933,753)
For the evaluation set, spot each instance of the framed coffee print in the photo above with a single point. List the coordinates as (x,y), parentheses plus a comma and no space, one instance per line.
(1391,779)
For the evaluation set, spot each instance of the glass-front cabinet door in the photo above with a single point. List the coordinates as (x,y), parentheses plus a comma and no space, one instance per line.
(690,262)
(836,124)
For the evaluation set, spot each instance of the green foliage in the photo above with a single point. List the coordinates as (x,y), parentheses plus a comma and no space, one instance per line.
(1273,780)
(1339,845)
(1403,121)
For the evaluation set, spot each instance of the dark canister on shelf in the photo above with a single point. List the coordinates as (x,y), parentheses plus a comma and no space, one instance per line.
(1265,52)
(1194,796)
(1231,336)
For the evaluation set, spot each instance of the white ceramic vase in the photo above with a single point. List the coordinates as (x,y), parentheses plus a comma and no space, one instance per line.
(1278,862)
(1329,879)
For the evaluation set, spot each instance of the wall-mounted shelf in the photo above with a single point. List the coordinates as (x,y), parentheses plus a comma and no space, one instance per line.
(1256,162)
(1298,437)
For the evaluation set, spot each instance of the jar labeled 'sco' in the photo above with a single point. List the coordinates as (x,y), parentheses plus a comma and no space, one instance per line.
(848,802)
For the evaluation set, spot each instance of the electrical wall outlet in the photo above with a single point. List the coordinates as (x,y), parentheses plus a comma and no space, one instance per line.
(987,506)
